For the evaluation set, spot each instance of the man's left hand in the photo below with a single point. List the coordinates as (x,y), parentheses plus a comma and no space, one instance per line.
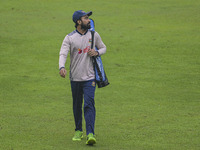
(92,52)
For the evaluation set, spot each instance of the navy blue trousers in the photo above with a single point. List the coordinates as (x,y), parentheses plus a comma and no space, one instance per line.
(86,90)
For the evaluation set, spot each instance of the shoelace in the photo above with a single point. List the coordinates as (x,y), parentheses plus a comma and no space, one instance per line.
(77,134)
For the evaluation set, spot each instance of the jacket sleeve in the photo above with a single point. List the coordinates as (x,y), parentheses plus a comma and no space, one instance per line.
(64,52)
(99,44)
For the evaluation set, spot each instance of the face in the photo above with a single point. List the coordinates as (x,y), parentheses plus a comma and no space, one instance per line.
(85,22)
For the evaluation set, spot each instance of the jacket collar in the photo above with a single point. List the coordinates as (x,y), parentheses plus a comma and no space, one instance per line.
(80,33)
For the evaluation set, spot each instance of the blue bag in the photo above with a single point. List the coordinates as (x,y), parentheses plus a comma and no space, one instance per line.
(100,75)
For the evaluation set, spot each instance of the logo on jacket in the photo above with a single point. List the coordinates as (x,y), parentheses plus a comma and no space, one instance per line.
(79,51)
(85,50)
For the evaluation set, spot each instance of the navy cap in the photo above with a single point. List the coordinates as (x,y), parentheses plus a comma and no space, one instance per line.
(80,13)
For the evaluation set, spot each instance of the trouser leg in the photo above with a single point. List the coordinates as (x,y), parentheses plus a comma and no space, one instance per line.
(77,94)
(89,105)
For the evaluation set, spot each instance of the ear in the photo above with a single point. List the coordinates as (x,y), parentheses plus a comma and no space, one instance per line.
(79,21)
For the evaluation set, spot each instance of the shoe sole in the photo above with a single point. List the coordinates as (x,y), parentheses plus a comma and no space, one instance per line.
(77,139)
(91,141)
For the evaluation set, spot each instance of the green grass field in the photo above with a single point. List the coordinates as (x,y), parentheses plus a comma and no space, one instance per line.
(152,63)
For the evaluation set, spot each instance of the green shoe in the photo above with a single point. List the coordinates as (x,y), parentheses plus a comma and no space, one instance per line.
(90,139)
(77,136)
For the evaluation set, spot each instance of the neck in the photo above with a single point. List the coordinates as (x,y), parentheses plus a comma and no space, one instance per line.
(82,31)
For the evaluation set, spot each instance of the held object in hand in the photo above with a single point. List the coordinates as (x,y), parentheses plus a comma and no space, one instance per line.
(100,75)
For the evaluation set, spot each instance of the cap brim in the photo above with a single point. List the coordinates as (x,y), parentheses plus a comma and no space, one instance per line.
(89,13)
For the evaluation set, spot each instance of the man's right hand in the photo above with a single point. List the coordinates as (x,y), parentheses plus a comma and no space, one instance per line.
(63,72)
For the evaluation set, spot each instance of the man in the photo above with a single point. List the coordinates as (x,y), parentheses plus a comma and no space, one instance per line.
(82,74)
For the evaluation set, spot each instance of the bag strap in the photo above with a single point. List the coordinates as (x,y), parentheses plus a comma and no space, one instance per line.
(92,44)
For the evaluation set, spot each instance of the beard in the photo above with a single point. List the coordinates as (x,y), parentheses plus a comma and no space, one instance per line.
(85,26)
